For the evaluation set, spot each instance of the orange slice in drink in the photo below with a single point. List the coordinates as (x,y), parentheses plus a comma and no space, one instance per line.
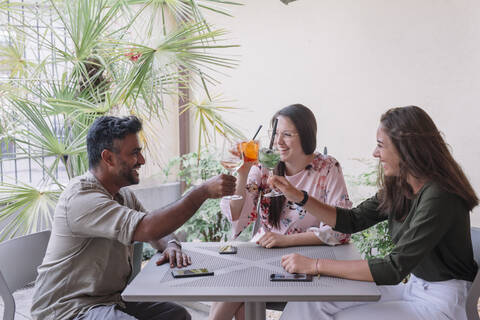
(250,150)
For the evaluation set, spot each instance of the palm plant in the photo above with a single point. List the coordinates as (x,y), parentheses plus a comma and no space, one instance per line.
(94,62)
(12,57)
(208,114)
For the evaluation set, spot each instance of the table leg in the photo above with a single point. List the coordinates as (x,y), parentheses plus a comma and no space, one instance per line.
(255,310)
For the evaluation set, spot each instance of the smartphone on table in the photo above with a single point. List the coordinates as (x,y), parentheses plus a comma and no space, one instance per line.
(183,273)
(227,249)
(291,277)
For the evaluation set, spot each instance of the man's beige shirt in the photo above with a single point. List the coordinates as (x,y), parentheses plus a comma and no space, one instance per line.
(88,259)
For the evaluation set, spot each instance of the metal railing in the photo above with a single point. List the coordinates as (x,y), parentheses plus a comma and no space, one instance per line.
(16,166)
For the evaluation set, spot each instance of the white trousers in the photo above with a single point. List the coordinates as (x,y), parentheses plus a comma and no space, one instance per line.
(418,299)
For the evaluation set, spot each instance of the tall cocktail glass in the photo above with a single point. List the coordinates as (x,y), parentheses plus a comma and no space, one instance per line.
(231,159)
(269,158)
(250,150)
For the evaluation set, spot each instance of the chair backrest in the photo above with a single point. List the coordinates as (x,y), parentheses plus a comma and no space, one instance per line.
(474,293)
(19,259)
(137,259)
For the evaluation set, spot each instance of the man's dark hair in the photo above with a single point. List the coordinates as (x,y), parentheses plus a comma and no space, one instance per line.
(104,131)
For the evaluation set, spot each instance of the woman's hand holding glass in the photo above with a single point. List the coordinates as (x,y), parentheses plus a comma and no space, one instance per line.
(287,189)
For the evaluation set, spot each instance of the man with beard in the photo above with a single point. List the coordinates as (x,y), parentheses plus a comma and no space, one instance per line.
(89,256)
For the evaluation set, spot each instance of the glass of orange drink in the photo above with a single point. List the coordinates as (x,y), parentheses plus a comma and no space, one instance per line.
(250,150)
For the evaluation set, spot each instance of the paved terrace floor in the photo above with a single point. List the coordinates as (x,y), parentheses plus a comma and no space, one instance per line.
(198,310)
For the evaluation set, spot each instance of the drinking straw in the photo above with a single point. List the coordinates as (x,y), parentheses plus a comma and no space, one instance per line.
(274,131)
(258,130)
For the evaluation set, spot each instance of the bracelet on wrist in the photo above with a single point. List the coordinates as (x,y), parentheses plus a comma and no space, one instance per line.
(304,200)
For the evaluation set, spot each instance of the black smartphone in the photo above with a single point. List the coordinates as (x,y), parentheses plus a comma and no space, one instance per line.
(228,249)
(291,277)
(183,273)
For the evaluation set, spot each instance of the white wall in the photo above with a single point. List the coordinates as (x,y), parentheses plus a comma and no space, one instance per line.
(350,60)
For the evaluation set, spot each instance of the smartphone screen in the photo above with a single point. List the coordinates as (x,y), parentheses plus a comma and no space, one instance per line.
(191,273)
(228,249)
(290,277)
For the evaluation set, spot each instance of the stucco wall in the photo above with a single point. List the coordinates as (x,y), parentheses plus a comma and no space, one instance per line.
(351,60)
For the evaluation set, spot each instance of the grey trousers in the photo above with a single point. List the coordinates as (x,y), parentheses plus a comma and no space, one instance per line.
(137,311)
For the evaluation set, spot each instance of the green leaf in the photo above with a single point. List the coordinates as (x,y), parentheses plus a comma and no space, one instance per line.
(208,113)
(25,209)
(12,57)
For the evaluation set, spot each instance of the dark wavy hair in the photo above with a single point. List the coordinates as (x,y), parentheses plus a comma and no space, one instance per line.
(306,126)
(424,155)
(104,131)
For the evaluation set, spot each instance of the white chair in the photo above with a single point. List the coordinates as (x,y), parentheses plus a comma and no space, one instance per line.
(474,293)
(19,259)
(137,259)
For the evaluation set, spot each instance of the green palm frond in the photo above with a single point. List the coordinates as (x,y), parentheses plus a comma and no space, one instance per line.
(77,106)
(91,26)
(65,140)
(185,48)
(190,41)
(4,5)
(12,57)
(87,22)
(25,209)
(145,98)
(47,38)
(217,6)
(41,132)
(42,138)
(183,11)
(63,97)
(7,6)
(208,115)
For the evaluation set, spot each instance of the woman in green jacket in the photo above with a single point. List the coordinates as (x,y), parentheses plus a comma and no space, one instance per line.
(426,198)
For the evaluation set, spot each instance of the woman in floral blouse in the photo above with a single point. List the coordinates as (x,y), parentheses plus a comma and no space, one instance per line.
(284,223)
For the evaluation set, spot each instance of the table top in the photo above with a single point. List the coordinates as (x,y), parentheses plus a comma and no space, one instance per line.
(245,276)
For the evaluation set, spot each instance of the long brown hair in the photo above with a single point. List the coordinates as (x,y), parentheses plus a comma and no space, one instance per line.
(306,126)
(424,155)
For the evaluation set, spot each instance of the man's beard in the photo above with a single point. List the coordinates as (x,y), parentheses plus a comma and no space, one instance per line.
(128,174)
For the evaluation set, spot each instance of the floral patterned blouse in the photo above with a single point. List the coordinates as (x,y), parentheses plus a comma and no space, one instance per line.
(322,179)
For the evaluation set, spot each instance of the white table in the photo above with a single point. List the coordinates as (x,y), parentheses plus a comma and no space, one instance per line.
(245,277)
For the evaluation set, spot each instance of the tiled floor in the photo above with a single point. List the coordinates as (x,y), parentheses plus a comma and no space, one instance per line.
(23,301)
